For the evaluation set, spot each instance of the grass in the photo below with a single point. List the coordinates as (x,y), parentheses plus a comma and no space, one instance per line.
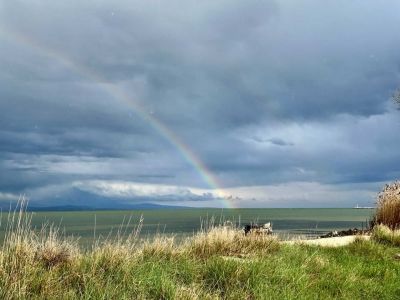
(384,234)
(216,263)
(388,206)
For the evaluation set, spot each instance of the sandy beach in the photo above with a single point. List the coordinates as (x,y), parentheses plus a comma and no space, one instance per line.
(330,242)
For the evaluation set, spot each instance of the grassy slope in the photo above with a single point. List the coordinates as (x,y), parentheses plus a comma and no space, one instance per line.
(212,265)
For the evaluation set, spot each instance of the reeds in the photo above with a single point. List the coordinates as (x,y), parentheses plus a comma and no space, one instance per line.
(388,206)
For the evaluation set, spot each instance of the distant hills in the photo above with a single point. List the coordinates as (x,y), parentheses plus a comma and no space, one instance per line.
(140,206)
(77,200)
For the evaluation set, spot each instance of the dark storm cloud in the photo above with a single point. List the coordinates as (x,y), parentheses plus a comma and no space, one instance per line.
(262,92)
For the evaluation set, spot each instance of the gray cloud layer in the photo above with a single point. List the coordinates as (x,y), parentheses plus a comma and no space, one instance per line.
(264,93)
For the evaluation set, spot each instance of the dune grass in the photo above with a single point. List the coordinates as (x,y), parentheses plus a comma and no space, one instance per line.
(216,263)
(388,206)
(384,234)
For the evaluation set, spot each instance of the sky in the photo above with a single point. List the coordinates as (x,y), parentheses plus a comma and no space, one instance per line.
(198,103)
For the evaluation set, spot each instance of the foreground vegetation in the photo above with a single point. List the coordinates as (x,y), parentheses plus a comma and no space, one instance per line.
(385,235)
(388,206)
(217,263)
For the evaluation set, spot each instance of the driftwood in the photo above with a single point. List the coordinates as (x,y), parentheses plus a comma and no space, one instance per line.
(258,229)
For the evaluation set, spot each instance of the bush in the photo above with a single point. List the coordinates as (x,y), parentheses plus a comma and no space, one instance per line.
(388,206)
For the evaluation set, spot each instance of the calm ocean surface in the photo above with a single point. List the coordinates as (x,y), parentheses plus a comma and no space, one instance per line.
(183,222)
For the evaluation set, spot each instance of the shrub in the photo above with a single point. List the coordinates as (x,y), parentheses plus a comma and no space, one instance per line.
(388,206)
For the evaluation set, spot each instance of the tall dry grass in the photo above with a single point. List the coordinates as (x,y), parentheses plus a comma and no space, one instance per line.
(219,262)
(388,206)
(384,234)
(26,255)
(46,264)
(229,241)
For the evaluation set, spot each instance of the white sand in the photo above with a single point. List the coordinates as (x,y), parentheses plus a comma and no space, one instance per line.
(330,242)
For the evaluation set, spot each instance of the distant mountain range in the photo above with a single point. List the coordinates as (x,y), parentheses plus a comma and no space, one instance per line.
(77,200)
(140,206)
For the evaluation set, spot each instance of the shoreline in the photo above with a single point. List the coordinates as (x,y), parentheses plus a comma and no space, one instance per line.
(330,241)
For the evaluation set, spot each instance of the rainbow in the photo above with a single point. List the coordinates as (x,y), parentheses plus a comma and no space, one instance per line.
(120,95)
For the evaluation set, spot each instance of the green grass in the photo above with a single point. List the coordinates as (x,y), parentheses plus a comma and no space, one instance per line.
(364,270)
(217,263)
(384,234)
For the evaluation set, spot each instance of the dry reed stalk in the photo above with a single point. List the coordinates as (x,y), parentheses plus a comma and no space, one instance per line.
(388,206)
